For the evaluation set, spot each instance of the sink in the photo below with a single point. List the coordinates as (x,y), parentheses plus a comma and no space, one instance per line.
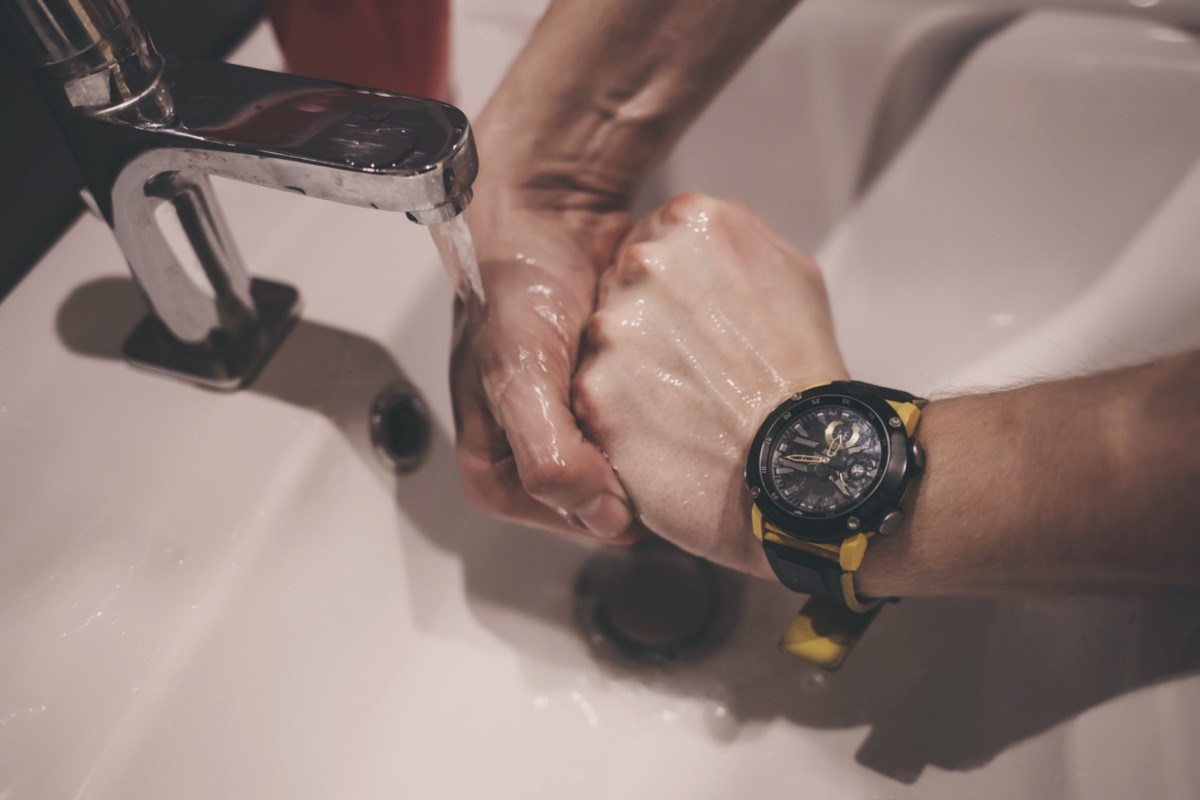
(211,595)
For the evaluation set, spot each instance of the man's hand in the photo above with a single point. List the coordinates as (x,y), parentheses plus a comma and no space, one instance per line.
(597,97)
(520,452)
(706,321)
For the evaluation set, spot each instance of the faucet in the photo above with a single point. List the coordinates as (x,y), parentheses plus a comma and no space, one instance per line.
(149,130)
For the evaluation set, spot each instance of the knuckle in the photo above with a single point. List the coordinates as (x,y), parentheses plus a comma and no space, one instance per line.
(582,401)
(586,397)
(690,205)
(597,333)
(637,261)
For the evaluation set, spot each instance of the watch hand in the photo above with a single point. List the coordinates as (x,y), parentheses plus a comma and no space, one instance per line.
(805,458)
(839,480)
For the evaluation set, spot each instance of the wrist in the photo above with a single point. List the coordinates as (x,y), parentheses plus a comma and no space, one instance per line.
(569,153)
(601,92)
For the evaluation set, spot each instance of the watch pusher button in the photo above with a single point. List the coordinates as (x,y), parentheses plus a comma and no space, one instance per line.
(891,521)
(917,454)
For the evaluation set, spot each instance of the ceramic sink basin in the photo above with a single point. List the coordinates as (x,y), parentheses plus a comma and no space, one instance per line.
(212,595)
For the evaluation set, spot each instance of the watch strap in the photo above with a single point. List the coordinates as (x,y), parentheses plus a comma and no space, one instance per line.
(823,633)
(888,393)
(825,570)
(835,616)
(907,406)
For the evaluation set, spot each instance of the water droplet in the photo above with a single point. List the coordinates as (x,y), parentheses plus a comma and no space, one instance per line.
(589,713)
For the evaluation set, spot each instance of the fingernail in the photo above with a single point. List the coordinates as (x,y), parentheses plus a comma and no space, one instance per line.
(607,516)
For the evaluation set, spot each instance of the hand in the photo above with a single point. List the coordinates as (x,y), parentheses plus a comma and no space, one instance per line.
(520,452)
(593,102)
(707,320)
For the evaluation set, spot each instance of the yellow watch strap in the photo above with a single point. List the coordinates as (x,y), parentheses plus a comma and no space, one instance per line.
(848,554)
(823,634)
(909,413)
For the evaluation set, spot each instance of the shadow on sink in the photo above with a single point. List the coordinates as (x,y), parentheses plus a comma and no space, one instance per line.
(948,683)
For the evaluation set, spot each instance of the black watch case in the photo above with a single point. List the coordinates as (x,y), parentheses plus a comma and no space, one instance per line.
(900,460)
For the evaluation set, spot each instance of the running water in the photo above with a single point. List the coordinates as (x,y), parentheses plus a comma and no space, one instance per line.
(453,241)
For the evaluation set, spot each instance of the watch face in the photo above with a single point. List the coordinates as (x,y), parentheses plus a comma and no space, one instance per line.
(824,459)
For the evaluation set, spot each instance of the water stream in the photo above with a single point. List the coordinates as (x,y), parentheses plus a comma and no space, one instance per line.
(453,241)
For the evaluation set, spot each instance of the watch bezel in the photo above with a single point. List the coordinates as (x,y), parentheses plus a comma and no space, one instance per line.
(885,494)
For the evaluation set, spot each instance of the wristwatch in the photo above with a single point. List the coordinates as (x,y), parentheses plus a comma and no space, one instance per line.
(827,472)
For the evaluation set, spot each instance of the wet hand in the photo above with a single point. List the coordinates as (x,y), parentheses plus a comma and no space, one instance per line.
(520,452)
(685,356)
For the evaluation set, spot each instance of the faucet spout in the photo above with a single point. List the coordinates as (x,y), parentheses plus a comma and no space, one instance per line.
(148,132)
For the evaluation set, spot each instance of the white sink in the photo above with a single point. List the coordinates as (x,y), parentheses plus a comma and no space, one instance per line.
(206,595)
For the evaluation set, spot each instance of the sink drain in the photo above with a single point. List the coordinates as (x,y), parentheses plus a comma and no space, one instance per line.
(400,428)
(654,603)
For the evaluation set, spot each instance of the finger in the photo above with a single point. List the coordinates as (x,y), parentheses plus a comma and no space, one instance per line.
(634,263)
(476,429)
(575,486)
(556,464)
(488,468)
(497,490)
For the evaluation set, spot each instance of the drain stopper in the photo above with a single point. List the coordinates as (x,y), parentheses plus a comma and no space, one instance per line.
(652,603)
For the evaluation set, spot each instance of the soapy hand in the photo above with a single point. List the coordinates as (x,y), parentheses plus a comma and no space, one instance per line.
(520,451)
(706,320)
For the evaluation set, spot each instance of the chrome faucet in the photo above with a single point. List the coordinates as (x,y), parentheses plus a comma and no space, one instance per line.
(148,130)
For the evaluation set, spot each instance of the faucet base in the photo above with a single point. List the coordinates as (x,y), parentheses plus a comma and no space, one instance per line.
(226,365)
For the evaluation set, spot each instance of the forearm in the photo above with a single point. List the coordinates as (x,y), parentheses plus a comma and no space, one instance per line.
(1080,485)
(603,90)
(1087,484)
